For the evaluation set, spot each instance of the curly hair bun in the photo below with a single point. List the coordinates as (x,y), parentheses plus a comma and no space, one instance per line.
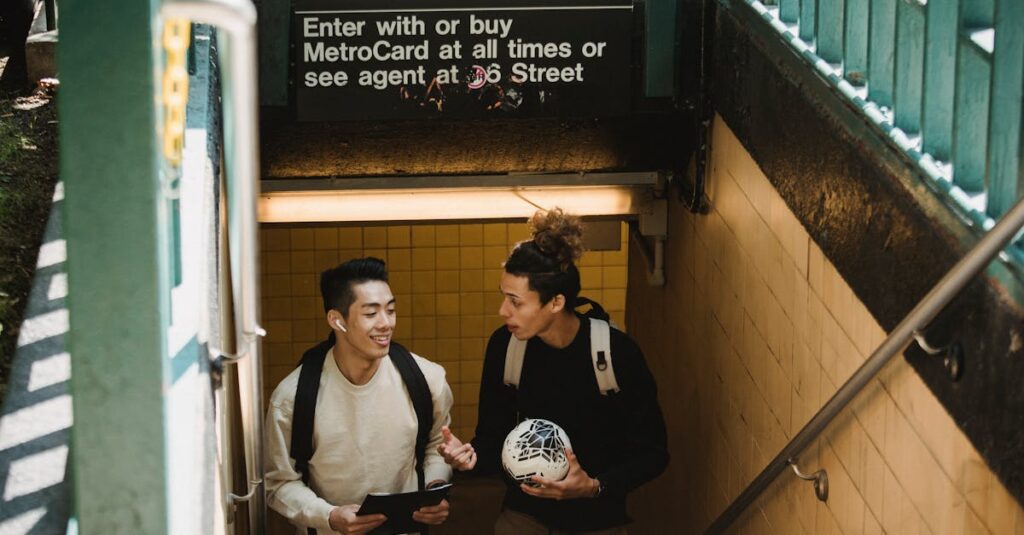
(558,235)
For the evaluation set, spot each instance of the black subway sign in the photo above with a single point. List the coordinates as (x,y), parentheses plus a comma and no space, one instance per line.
(359,59)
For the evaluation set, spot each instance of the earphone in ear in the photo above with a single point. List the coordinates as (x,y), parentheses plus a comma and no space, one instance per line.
(340,326)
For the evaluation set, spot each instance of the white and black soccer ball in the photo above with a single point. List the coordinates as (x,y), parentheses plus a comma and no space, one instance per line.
(535,448)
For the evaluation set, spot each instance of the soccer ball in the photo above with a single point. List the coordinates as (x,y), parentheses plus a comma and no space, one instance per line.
(535,448)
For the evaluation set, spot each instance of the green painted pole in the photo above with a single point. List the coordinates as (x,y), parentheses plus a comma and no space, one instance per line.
(909,66)
(941,37)
(830,30)
(970,116)
(116,232)
(1004,181)
(882,52)
(855,50)
(808,20)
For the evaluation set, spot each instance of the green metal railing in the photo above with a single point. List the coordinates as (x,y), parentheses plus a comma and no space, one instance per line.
(942,79)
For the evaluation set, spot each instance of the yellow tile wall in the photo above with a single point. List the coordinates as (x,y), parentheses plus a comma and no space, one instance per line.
(444,277)
(752,334)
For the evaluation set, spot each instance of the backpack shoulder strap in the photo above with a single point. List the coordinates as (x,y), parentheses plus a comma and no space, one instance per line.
(596,310)
(514,360)
(304,411)
(601,354)
(422,403)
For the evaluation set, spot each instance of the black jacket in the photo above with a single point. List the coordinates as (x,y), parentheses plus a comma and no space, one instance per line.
(619,439)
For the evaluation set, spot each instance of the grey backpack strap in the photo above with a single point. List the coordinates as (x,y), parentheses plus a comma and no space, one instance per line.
(514,361)
(601,354)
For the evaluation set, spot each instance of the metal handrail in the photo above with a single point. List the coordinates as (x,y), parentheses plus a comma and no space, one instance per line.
(237,18)
(940,295)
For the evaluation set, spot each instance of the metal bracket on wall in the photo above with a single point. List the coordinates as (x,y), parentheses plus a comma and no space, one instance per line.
(820,479)
(952,355)
(233,499)
(653,224)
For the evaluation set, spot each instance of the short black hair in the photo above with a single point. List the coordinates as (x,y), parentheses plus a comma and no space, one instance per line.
(336,283)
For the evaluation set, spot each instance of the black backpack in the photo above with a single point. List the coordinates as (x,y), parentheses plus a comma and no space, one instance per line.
(309,385)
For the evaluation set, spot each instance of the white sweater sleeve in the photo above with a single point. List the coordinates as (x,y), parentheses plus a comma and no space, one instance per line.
(286,493)
(434,467)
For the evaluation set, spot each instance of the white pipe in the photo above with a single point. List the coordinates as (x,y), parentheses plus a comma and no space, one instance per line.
(238,19)
(654,263)
(656,274)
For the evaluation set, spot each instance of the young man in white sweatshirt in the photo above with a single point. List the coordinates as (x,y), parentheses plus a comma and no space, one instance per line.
(364,431)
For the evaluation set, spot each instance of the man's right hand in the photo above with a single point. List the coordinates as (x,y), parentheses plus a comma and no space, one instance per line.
(343,519)
(460,456)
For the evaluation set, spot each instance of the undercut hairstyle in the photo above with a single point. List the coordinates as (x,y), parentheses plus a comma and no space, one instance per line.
(548,259)
(336,283)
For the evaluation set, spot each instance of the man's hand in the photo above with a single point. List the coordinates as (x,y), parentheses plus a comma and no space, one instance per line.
(432,514)
(460,456)
(343,519)
(577,484)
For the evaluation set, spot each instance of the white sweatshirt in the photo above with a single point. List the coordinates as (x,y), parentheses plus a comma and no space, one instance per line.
(364,440)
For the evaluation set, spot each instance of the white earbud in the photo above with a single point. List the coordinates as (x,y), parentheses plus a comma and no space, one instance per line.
(340,326)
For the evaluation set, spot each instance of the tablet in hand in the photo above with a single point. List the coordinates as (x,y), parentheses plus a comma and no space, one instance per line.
(400,507)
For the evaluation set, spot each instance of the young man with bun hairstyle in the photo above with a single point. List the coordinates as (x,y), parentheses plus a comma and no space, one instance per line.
(618,439)
(369,421)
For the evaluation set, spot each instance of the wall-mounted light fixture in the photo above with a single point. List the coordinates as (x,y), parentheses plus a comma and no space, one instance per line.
(454,197)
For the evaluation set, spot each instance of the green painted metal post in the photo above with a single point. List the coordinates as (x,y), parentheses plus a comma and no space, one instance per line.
(977,13)
(808,20)
(1004,186)
(830,30)
(855,50)
(882,51)
(789,11)
(973,82)
(970,116)
(116,230)
(941,34)
(909,66)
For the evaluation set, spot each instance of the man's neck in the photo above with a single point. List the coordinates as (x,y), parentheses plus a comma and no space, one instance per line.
(562,331)
(356,369)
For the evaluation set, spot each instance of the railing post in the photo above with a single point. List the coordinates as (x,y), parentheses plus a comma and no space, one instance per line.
(939,75)
(830,30)
(855,53)
(909,65)
(970,113)
(789,10)
(1004,179)
(808,20)
(882,52)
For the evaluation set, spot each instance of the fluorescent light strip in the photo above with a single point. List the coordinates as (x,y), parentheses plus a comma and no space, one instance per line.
(452,204)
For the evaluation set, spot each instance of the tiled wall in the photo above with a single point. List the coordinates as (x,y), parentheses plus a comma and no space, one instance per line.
(444,277)
(753,333)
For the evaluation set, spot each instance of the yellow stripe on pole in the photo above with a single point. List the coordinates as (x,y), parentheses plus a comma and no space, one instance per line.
(175,88)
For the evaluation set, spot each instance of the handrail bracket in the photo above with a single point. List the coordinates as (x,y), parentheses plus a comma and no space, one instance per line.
(820,479)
